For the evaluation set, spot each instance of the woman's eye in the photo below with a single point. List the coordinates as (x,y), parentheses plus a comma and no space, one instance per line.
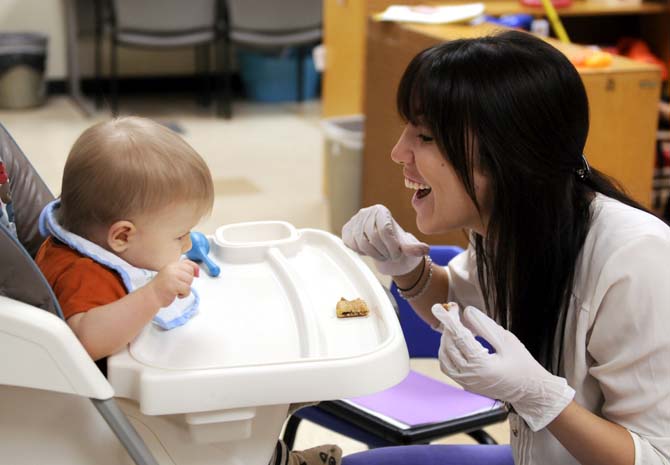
(425,138)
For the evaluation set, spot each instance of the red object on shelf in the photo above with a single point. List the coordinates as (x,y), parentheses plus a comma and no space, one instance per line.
(538,3)
(638,50)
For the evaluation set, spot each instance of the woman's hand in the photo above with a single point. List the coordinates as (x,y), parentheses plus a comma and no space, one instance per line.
(511,374)
(373,232)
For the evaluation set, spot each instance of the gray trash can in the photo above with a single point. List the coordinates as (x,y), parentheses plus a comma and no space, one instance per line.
(343,167)
(22,63)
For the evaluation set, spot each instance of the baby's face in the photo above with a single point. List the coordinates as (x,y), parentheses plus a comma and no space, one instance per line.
(162,237)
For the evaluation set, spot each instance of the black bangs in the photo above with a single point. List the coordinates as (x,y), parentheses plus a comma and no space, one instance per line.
(427,76)
(435,92)
(409,99)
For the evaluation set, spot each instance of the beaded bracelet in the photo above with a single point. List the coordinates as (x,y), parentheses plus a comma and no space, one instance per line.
(426,283)
(418,280)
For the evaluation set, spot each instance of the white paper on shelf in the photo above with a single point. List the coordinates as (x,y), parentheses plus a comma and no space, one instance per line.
(431,14)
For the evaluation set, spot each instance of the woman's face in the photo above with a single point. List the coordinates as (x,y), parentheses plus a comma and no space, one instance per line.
(440,200)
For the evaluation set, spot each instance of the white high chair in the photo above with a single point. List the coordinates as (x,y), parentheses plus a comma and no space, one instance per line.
(214,391)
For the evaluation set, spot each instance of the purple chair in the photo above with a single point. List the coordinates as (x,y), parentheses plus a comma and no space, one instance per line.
(434,454)
(417,395)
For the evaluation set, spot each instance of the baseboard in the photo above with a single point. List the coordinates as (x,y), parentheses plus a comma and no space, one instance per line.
(144,85)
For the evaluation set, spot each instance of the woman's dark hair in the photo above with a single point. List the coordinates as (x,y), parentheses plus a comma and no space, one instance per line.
(513,107)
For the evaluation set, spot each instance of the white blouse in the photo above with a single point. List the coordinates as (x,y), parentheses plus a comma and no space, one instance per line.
(616,348)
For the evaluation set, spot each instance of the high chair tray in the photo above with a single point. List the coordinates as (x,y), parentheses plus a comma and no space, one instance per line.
(266,331)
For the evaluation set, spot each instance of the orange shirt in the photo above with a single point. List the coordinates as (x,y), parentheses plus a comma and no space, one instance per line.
(79,283)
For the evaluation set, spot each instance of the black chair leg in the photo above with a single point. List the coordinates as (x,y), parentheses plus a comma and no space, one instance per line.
(208,74)
(224,99)
(290,431)
(301,56)
(98,53)
(114,78)
(482,437)
(202,74)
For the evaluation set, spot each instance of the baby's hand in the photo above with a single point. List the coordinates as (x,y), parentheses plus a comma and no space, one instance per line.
(173,281)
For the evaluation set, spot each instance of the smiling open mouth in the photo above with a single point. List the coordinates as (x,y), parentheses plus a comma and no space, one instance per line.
(422,190)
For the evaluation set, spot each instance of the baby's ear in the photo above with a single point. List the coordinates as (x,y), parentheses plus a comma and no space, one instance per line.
(120,234)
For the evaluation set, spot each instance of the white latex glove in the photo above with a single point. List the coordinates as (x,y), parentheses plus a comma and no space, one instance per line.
(511,374)
(373,232)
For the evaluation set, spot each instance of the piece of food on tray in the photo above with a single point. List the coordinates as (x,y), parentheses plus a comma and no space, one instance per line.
(351,308)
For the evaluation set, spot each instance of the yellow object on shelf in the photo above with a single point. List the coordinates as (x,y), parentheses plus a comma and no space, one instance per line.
(555,21)
(591,59)
(598,60)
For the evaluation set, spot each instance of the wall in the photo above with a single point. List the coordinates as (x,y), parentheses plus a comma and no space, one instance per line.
(48,17)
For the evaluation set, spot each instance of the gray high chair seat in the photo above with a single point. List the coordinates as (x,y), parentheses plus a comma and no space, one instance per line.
(57,351)
(20,279)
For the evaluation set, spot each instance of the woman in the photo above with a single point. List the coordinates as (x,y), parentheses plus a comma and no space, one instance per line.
(570,274)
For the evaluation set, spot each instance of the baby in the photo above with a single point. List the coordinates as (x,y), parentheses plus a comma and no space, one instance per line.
(132,191)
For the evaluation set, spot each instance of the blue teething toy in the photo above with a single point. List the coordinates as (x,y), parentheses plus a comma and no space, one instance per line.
(199,251)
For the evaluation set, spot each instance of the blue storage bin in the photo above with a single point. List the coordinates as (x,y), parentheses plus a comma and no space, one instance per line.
(271,77)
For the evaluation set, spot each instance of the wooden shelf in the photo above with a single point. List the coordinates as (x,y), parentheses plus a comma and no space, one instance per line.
(578,8)
(623,102)
(455,31)
(586,22)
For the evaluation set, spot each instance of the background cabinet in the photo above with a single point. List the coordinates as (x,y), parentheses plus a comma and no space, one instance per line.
(623,98)
(623,110)
(587,22)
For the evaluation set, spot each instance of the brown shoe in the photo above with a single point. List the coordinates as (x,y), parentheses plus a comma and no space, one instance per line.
(327,454)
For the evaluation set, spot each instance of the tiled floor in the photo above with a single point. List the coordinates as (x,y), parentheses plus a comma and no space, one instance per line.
(267,163)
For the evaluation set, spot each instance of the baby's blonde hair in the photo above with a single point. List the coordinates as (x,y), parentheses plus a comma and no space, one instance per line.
(130,166)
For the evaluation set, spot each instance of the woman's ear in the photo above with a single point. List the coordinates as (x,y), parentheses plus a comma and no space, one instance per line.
(119,235)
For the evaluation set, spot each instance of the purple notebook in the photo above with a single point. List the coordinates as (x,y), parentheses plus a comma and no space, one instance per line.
(419,399)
